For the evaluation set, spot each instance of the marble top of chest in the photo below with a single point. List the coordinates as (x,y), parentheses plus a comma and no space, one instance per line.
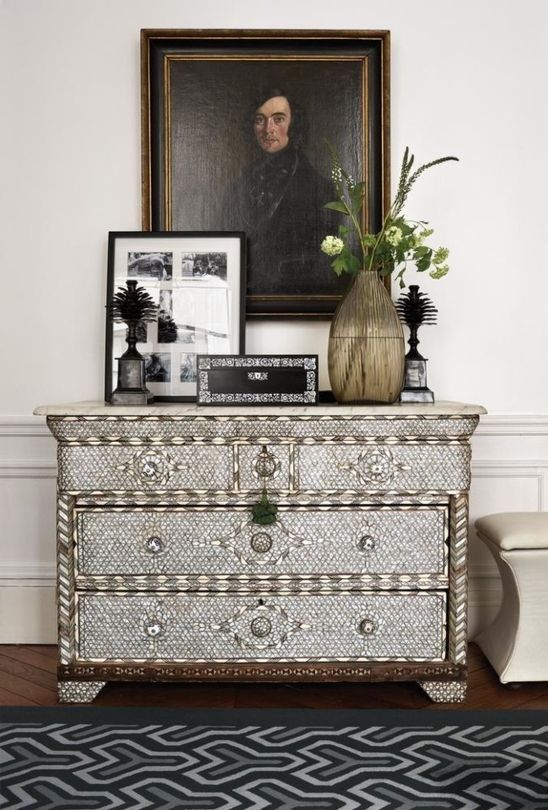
(192,410)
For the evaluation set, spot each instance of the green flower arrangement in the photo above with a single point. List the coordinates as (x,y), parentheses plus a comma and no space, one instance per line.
(399,242)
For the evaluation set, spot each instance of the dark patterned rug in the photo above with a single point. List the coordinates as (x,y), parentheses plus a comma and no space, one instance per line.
(98,759)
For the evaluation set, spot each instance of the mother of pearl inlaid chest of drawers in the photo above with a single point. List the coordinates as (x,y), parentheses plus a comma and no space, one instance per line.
(163,575)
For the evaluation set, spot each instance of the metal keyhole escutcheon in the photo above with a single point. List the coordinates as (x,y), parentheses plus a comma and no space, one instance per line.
(266,464)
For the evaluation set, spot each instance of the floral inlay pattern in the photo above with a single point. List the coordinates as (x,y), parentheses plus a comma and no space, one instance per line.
(260,627)
(151,466)
(375,466)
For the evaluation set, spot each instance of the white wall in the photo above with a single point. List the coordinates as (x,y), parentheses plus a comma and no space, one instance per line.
(468,78)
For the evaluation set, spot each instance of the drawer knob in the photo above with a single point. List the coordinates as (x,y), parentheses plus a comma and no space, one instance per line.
(261,627)
(154,545)
(151,467)
(153,629)
(266,464)
(261,542)
(367,627)
(366,543)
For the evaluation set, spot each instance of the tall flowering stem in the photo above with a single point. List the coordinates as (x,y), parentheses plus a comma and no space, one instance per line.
(399,241)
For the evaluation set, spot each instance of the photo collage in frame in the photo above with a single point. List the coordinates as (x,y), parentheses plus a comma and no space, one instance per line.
(198,285)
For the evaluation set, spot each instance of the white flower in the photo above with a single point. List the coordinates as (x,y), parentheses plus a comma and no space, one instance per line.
(332,245)
(393,235)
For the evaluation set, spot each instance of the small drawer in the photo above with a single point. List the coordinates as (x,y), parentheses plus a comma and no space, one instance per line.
(149,468)
(398,541)
(264,465)
(358,626)
(385,467)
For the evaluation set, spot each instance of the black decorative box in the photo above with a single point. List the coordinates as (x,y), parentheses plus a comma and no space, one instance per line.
(260,379)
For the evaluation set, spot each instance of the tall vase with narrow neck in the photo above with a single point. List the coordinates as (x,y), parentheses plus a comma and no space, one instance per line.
(366,345)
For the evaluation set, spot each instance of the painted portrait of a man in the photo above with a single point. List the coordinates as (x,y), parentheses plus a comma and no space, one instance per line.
(279,199)
(239,142)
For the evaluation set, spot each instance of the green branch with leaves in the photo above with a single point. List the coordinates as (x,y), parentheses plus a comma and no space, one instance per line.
(399,242)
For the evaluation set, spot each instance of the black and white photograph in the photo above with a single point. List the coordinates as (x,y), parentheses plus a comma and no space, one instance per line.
(246,128)
(158,367)
(167,328)
(165,303)
(188,368)
(204,265)
(150,265)
(197,281)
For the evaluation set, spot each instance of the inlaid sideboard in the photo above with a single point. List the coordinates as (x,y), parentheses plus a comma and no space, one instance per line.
(163,575)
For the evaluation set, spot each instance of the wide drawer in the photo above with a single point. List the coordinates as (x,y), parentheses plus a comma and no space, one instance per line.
(386,467)
(358,626)
(315,541)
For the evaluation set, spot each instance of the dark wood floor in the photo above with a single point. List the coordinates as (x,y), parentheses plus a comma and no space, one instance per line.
(27,678)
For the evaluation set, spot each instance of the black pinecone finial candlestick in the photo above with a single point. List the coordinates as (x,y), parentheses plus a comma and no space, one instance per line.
(132,306)
(415,309)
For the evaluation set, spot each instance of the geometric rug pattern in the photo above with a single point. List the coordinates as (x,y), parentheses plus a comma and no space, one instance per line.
(101,759)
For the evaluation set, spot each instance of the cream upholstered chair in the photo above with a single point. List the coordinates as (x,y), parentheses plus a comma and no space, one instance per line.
(516,643)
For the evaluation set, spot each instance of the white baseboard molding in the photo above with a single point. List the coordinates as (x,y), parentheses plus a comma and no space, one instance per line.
(27,614)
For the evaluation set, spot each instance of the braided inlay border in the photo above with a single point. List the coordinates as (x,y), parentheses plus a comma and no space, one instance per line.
(199,499)
(65,577)
(303,498)
(458,579)
(267,584)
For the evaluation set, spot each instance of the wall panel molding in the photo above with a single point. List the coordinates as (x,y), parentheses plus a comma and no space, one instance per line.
(524,469)
(513,424)
(27,572)
(23,425)
(27,468)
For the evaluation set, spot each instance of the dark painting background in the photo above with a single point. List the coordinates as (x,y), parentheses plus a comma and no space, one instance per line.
(212,142)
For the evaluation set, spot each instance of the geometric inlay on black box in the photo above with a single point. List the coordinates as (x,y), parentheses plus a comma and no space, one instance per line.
(257,379)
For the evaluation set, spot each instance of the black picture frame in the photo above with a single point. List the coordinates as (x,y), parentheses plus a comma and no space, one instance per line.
(197,279)
(200,158)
